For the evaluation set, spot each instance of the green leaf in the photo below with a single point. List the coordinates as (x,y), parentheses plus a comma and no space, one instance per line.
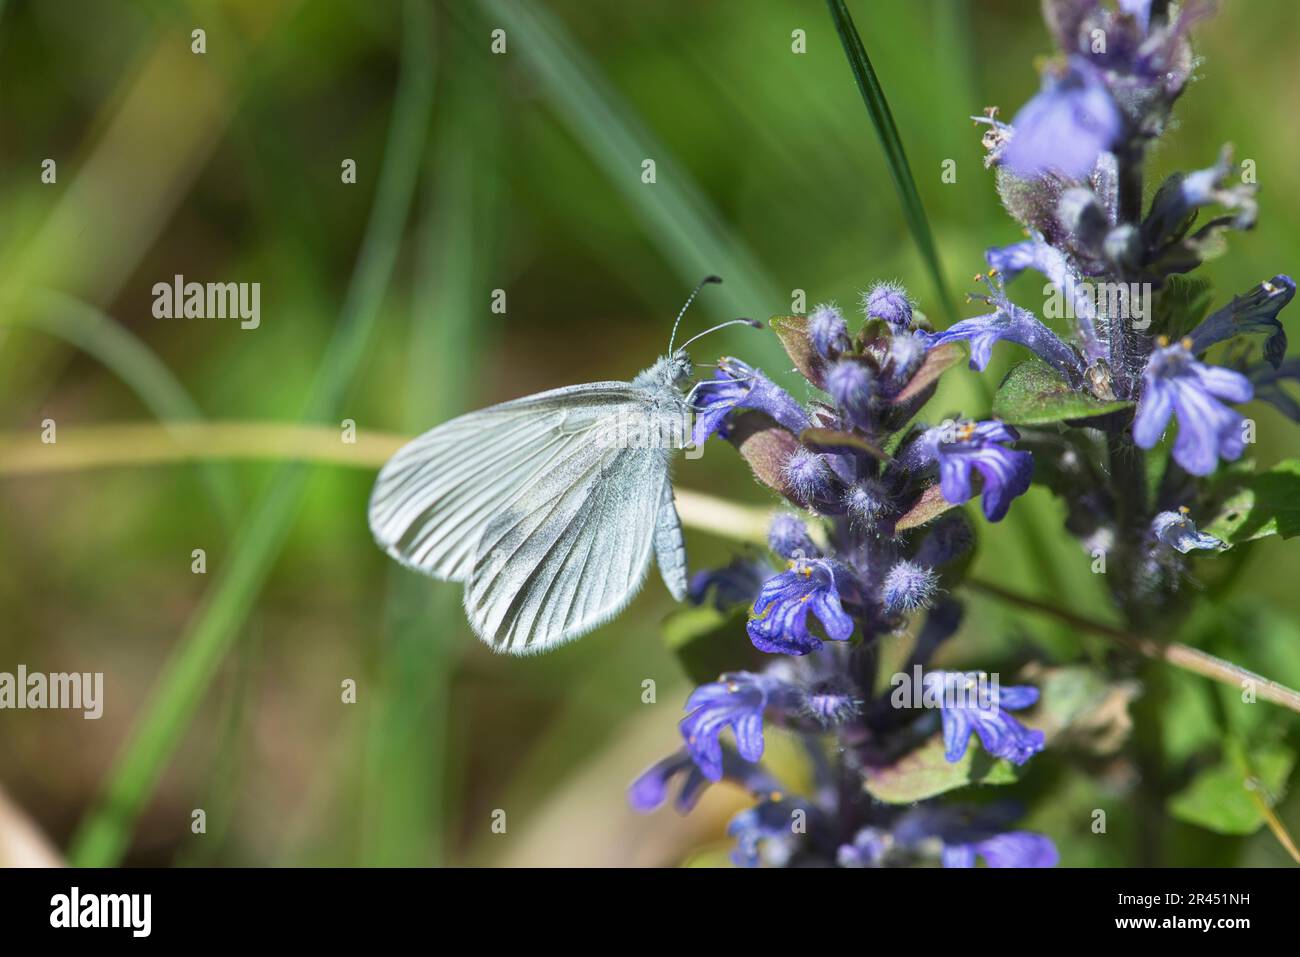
(1033,393)
(1249,631)
(793,333)
(925,772)
(895,157)
(1226,798)
(1072,707)
(766,446)
(1263,504)
(708,642)
(1189,718)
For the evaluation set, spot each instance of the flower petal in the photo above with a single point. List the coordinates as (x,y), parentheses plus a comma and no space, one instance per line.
(1153,412)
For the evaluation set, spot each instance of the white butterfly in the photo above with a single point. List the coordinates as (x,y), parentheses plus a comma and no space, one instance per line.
(542,507)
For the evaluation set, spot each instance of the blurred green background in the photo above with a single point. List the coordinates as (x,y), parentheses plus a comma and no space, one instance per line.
(476,172)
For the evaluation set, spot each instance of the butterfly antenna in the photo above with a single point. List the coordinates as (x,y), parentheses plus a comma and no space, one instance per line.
(689,299)
(752,323)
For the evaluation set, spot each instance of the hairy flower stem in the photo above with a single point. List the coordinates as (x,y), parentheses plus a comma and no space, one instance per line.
(1128,487)
(1128,478)
(1130,212)
(1130,185)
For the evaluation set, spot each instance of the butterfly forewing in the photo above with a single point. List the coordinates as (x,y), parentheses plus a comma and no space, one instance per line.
(538,507)
(434,498)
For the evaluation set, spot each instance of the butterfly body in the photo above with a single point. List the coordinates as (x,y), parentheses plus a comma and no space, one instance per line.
(548,508)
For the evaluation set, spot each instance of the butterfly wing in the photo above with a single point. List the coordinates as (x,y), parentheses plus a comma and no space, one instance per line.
(571,554)
(670,547)
(434,499)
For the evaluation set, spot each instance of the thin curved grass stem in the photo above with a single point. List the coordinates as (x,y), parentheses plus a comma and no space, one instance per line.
(1172,652)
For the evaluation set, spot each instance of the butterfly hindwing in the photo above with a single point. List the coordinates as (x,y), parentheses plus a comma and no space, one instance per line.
(569,555)
(670,547)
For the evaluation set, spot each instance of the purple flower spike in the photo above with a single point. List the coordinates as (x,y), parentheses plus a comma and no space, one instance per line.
(737,385)
(1175,383)
(961,448)
(1065,127)
(778,623)
(738,701)
(967,705)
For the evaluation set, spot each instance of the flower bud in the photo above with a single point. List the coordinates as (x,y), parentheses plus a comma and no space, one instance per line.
(851,384)
(828,331)
(788,537)
(909,586)
(807,476)
(888,301)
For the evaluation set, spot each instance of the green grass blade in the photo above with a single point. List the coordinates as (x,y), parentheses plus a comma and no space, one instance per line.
(404,798)
(678,217)
(895,157)
(162,723)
